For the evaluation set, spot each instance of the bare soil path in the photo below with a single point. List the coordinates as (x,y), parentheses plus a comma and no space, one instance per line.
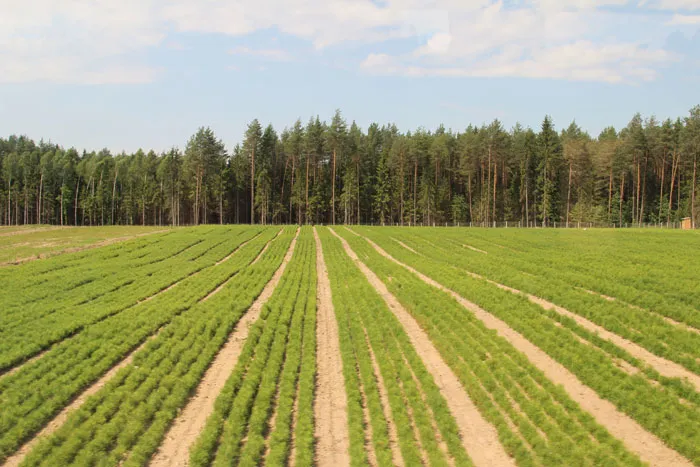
(174,451)
(479,437)
(330,404)
(646,445)
(663,366)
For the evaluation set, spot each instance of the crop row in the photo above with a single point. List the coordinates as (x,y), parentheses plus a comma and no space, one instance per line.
(34,394)
(77,259)
(418,408)
(275,369)
(645,328)
(125,422)
(35,278)
(658,408)
(24,341)
(668,285)
(76,287)
(537,422)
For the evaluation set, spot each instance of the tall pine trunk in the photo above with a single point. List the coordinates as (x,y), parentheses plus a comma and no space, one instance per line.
(622,194)
(694,189)
(306,211)
(674,169)
(661,195)
(568,196)
(114,190)
(610,192)
(415,191)
(252,186)
(77,193)
(41,194)
(333,191)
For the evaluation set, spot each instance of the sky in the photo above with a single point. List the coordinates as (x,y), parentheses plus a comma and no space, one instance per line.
(147,74)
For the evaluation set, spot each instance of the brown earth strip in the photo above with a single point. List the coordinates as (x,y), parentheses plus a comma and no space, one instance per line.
(223,284)
(663,366)
(81,328)
(26,362)
(685,327)
(479,437)
(406,246)
(174,450)
(475,249)
(28,231)
(17,458)
(646,445)
(330,404)
(223,260)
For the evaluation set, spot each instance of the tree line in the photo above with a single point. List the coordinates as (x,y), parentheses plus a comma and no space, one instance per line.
(335,172)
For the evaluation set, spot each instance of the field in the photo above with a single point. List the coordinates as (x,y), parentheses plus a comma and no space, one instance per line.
(278,345)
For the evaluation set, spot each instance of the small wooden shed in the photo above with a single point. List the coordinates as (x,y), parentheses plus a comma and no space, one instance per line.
(686,223)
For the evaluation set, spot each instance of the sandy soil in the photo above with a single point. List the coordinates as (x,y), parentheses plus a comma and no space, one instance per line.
(479,437)
(28,231)
(406,246)
(330,404)
(475,249)
(649,448)
(663,366)
(174,451)
(26,362)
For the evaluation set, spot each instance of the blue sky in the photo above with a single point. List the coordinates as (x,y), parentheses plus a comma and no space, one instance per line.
(148,73)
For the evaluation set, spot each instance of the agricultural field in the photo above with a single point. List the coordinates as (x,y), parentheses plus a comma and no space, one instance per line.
(284,345)
(25,243)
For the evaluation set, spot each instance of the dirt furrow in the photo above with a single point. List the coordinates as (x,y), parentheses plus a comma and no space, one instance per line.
(80,329)
(223,284)
(27,362)
(479,437)
(684,326)
(475,249)
(267,245)
(330,404)
(28,231)
(646,445)
(235,250)
(174,450)
(663,366)
(17,458)
(406,246)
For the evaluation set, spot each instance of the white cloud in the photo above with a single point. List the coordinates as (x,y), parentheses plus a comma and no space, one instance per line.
(673,4)
(581,61)
(94,41)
